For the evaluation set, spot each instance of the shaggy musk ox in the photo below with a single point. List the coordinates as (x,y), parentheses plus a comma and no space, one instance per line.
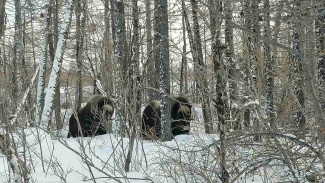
(180,115)
(93,117)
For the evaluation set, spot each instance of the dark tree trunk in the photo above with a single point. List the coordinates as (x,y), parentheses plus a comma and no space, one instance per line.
(162,63)
(201,71)
(57,96)
(269,70)
(2,17)
(16,53)
(120,51)
(135,101)
(79,50)
(320,34)
(151,74)
(297,76)
(183,78)
(108,59)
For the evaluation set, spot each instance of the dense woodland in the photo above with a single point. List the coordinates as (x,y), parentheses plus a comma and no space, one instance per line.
(253,69)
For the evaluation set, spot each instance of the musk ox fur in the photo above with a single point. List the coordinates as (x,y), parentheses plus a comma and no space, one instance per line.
(180,110)
(92,119)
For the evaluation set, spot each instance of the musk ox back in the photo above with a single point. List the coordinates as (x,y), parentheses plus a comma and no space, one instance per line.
(180,115)
(91,119)
(151,125)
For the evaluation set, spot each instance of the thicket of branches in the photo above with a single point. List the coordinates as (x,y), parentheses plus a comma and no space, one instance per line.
(255,68)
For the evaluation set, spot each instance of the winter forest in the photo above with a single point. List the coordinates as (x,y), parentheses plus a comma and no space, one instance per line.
(162,91)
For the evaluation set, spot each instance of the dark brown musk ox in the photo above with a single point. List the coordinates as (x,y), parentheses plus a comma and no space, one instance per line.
(92,118)
(180,116)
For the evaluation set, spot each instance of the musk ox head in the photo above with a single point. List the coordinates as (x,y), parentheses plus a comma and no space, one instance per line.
(181,116)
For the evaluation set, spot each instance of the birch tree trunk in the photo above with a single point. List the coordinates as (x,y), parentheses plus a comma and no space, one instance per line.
(220,102)
(64,27)
(42,67)
(162,59)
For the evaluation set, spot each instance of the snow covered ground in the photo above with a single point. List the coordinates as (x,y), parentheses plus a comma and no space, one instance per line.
(193,158)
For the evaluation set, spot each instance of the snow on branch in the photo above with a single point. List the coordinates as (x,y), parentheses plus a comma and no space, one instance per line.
(19,107)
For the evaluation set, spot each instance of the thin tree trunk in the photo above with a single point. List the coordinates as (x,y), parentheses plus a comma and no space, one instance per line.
(308,66)
(298,71)
(16,53)
(201,70)
(42,68)
(135,90)
(79,50)
(151,76)
(57,96)
(2,17)
(108,59)
(269,70)
(183,78)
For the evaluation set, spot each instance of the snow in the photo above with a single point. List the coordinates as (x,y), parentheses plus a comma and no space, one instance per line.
(3,131)
(186,158)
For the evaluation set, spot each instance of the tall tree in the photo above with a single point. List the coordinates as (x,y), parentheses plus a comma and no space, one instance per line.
(297,76)
(16,52)
(108,59)
(231,65)
(150,62)
(57,104)
(49,97)
(2,17)
(79,49)
(269,70)
(135,101)
(120,51)
(201,69)
(42,67)
(162,63)
(220,102)
(183,78)
(320,34)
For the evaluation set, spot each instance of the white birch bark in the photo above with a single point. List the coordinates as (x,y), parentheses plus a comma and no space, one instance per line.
(48,103)
(41,63)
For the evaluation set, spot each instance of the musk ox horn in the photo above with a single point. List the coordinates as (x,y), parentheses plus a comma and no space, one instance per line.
(108,108)
(184,109)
